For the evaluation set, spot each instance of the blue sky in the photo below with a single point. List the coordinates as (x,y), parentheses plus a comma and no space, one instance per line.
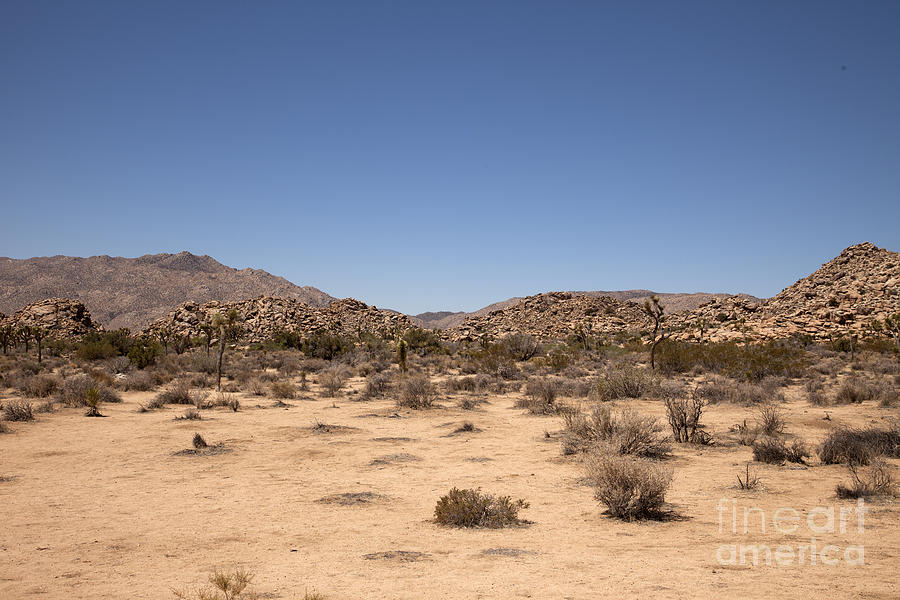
(430,155)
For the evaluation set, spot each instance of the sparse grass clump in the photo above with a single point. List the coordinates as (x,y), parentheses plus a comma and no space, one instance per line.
(627,432)
(225,586)
(417,392)
(472,508)
(199,442)
(860,446)
(775,451)
(631,488)
(18,410)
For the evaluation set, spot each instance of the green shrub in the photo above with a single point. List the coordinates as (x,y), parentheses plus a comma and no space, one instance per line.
(471,508)
(326,345)
(751,362)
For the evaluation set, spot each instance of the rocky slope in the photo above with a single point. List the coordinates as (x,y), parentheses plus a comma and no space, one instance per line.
(673,302)
(553,316)
(62,317)
(132,292)
(846,294)
(262,317)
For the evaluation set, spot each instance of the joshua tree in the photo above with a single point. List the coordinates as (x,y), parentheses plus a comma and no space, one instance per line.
(39,333)
(701,327)
(208,331)
(24,335)
(401,356)
(227,327)
(164,335)
(7,337)
(654,310)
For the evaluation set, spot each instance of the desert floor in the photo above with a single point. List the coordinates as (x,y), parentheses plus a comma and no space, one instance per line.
(104,508)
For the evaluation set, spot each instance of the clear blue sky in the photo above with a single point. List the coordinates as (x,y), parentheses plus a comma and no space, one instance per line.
(429,155)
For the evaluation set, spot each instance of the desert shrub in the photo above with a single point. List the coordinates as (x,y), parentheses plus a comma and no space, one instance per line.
(92,401)
(190,414)
(422,341)
(877,480)
(144,352)
(39,386)
(18,410)
(283,389)
(627,432)
(744,361)
(417,392)
(139,381)
(256,387)
(326,346)
(488,359)
(624,382)
(860,446)
(631,488)
(575,388)
(540,397)
(747,434)
(774,451)
(815,392)
(472,508)
(723,390)
(179,393)
(855,391)
(461,384)
(683,415)
(520,346)
(332,381)
(469,403)
(73,391)
(377,385)
(771,420)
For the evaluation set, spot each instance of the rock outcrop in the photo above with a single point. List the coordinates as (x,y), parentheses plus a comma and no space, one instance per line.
(261,318)
(554,315)
(845,295)
(61,317)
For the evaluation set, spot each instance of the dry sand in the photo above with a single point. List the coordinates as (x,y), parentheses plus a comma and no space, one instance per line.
(102,508)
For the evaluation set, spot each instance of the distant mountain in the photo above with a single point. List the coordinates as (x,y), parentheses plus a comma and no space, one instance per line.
(133,292)
(673,302)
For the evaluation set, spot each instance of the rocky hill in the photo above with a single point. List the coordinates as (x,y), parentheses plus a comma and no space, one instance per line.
(674,303)
(61,317)
(846,294)
(133,292)
(553,316)
(265,316)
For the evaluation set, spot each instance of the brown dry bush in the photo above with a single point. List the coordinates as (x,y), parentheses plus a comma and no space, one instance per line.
(73,391)
(855,391)
(283,389)
(139,381)
(770,420)
(627,432)
(39,386)
(540,397)
(720,389)
(860,446)
(774,451)
(18,410)
(683,415)
(472,508)
(181,393)
(417,392)
(332,381)
(876,480)
(631,488)
(624,382)
(378,385)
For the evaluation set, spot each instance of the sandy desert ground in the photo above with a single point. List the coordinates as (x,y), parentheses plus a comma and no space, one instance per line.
(103,508)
